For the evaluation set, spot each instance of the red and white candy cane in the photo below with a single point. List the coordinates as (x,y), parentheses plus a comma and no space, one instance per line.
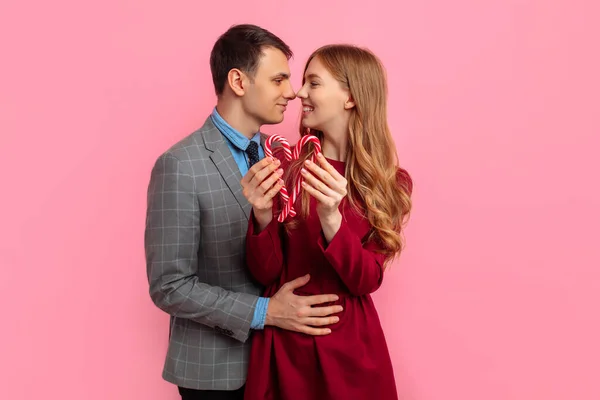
(285,197)
(297,150)
(288,203)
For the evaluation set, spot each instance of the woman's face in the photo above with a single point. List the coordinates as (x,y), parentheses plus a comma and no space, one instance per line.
(325,102)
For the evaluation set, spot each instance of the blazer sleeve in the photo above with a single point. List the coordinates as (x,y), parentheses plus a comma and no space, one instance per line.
(171,239)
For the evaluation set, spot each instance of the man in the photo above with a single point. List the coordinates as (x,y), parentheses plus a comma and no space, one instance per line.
(197,220)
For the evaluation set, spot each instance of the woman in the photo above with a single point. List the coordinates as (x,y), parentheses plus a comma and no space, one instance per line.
(348,228)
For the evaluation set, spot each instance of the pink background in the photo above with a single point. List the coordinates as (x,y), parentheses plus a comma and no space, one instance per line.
(494,107)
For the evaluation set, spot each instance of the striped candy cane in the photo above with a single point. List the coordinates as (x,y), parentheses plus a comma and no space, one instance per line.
(288,203)
(297,150)
(285,197)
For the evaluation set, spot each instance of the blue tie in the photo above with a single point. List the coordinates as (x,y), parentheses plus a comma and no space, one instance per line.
(252,152)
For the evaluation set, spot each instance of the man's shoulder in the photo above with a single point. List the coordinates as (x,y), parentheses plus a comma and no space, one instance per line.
(192,147)
(187,148)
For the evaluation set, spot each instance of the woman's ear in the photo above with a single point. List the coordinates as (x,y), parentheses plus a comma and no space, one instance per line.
(349,103)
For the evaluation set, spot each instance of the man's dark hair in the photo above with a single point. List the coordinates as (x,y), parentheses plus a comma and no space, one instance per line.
(241,47)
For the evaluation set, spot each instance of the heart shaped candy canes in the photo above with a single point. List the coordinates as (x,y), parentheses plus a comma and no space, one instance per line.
(288,202)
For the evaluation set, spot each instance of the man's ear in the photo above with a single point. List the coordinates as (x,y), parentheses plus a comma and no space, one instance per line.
(237,81)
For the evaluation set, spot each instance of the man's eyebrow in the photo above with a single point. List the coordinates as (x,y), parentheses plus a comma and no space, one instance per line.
(283,75)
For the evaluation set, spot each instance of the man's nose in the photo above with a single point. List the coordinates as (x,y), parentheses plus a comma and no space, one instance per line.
(290,94)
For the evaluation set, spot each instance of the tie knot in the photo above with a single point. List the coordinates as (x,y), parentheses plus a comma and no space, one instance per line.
(252,152)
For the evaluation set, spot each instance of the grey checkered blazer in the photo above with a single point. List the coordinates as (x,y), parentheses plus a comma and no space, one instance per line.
(196,225)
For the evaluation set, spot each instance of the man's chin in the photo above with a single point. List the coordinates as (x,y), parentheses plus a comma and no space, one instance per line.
(274,120)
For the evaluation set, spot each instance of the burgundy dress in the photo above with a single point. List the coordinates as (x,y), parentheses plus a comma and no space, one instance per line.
(353,361)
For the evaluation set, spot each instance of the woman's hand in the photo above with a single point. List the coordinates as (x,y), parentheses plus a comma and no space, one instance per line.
(328,187)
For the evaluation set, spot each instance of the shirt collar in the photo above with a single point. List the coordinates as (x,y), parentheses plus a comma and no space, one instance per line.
(235,137)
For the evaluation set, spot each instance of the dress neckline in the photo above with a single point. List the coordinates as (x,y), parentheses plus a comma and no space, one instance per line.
(340,166)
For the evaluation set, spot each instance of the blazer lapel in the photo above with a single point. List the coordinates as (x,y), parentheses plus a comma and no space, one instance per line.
(223,159)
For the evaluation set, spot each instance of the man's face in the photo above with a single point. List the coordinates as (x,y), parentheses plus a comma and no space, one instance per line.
(266,97)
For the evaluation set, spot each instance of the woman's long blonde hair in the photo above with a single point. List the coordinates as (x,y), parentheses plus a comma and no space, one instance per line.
(377,188)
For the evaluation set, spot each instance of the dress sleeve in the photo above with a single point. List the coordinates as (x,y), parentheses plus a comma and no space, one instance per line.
(264,255)
(360,267)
